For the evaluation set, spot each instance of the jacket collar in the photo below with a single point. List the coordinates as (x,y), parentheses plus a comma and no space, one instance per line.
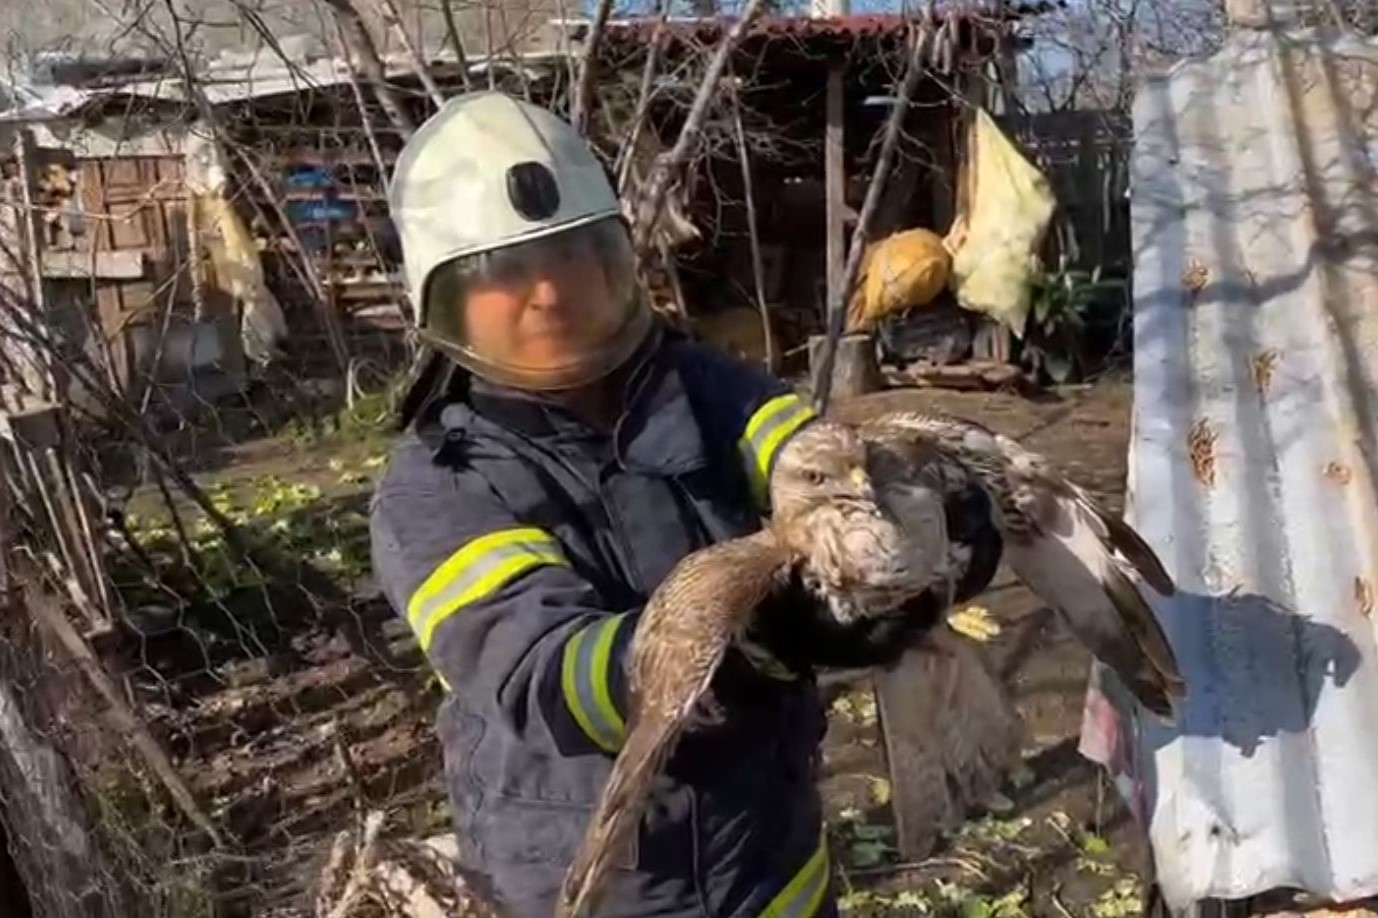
(657,433)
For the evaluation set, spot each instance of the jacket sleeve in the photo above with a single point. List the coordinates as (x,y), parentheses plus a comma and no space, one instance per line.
(499,612)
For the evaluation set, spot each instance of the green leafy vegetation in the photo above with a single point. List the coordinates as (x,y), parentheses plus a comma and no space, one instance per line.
(1062,300)
(285,524)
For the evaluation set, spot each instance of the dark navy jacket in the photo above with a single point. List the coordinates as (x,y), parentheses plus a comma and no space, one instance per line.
(520,545)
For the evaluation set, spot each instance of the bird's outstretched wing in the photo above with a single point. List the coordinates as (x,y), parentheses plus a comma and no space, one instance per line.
(1072,553)
(681,637)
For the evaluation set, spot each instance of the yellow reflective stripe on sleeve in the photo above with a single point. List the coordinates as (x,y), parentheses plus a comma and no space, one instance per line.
(585,680)
(803,897)
(766,432)
(475,572)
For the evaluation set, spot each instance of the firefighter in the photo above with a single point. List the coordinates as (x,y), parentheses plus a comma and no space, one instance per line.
(563,451)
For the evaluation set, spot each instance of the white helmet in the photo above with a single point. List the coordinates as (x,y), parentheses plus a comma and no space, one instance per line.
(491,191)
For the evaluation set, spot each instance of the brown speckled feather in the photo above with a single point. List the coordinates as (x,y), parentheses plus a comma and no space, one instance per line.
(681,637)
(1059,541)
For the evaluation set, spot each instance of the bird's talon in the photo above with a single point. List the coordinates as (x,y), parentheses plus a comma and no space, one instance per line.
(974,622)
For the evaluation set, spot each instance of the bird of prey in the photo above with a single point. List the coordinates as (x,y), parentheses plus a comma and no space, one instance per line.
(858,511)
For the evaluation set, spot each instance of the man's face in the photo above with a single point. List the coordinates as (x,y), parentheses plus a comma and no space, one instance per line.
(547,310)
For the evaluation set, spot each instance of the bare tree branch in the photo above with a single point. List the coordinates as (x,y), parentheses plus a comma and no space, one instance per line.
(393,18)
(588,68)
(669,166)
(456,42)
(356,34)
(622,167)
(757,271)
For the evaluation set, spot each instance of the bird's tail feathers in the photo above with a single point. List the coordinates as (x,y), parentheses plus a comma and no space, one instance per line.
(971,734)
(975,725)
(1153,676)
(615,820)
(1131,545)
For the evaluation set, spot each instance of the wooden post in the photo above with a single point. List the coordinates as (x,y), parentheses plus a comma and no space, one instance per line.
(855,370)
(37,373)
(834,183)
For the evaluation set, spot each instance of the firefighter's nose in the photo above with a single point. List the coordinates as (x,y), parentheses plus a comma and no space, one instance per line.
(545,294)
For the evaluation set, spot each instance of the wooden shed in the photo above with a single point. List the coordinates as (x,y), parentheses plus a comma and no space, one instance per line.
(101,207)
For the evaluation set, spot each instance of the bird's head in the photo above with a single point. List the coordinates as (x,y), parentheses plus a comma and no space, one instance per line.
(823,464)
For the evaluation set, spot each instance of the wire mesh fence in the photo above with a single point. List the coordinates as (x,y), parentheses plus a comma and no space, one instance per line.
(206,705)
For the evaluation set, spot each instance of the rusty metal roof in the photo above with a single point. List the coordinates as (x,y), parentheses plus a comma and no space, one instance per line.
(1254,464)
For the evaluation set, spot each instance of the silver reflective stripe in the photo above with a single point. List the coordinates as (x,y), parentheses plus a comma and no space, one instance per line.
(766,432)
(476,571)
(585,682)
(803,897)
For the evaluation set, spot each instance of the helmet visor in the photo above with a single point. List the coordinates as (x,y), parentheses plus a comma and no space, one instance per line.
(554,312)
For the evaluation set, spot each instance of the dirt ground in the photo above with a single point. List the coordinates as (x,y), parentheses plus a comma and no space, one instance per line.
(326,710)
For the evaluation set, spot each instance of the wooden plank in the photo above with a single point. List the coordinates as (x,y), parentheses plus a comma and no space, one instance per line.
(104,265)
(834,183)
(34,368)
(27,420)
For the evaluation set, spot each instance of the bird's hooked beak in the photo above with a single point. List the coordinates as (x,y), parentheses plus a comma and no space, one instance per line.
(862,482)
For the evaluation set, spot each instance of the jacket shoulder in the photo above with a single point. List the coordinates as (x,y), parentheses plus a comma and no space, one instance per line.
(727,389)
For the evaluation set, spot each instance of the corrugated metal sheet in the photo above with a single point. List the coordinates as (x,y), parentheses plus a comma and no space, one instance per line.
(1255,224)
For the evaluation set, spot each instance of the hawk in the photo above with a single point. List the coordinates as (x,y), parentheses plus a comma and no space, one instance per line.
(858,513)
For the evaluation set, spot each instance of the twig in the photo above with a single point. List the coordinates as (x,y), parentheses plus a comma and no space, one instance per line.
(346,761)
(488,44)
(367,122)
(757,271)
(588,68)
(357,35)
(916,866)
(668,166)
(623,163)
(359,877)
(452,30)
(330,873)
(1056,899)
(418,61)
(837,308)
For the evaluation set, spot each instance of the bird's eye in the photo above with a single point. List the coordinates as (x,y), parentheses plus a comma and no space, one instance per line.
(813,476)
